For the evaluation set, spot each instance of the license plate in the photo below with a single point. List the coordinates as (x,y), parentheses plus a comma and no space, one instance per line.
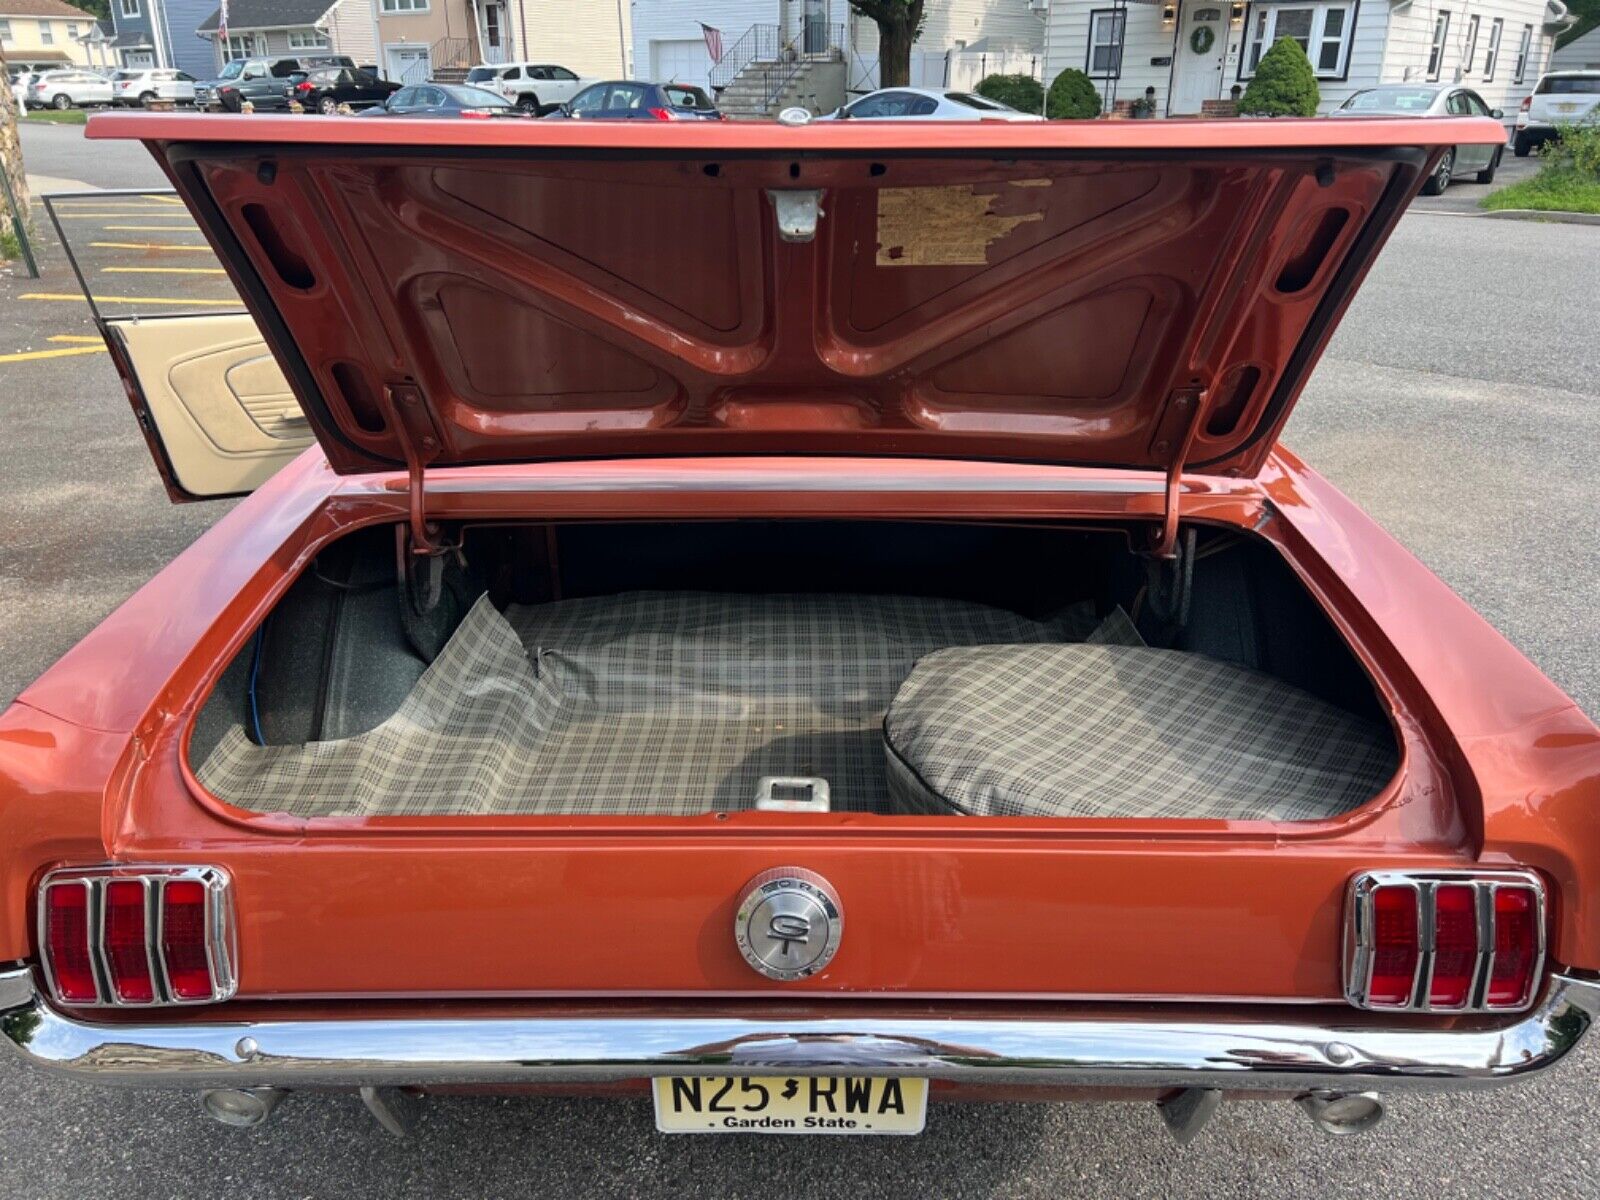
(790,1104)
(1566,108)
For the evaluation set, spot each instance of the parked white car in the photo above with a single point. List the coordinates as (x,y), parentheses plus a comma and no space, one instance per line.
(927,104)
(66,89)
(1561,98)
(537,88)
(140,87)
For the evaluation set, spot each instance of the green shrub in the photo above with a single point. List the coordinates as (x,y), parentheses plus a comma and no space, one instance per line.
(1284,86)
(1578,145)
(1072,97)
(1022,92)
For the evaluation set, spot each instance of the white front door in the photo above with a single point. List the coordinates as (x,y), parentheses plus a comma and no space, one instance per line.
(1197,73)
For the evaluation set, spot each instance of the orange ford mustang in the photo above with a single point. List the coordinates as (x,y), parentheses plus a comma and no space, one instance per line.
(798,621)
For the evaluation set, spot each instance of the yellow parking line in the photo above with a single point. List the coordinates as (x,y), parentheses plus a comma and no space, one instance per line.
(149,228)
(148,246)
(29,355)
(163,270)
(127,299)
(71,337)
(164,200)
(94,214)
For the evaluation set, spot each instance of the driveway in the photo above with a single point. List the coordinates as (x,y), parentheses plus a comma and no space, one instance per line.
(1459,403)
(1464,194)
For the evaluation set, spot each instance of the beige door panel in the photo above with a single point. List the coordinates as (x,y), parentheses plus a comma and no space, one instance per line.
(220,405)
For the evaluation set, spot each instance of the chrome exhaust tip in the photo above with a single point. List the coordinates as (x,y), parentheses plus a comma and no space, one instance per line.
(242,1108)
(1343,1113)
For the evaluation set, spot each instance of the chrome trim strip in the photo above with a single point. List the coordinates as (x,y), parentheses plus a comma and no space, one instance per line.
(745,480)
(1158,1048)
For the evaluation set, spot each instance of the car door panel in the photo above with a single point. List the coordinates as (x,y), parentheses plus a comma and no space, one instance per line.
(211,399)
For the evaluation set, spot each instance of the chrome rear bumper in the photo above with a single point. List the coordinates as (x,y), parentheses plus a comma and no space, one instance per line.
(1150,1048)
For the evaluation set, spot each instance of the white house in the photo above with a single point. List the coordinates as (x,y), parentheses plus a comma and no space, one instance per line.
(1191,51)
(669,41)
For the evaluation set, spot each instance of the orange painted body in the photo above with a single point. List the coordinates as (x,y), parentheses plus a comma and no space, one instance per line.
(1499,768)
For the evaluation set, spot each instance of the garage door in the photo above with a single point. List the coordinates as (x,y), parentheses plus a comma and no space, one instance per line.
(680,62)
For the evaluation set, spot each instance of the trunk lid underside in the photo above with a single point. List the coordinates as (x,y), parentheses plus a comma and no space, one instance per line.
(518,294)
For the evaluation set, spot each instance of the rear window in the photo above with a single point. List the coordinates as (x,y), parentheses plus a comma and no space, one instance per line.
(1582,85)
(688,97)
(967,100)
(126,75)
(1392,99)
(481,74)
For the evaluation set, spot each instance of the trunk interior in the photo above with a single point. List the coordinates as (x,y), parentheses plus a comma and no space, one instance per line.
(674,669)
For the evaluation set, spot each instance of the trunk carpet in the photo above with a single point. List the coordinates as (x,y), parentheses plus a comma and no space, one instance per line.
(640,704)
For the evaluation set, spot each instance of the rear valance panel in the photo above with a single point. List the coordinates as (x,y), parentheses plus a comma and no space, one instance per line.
(1045,302)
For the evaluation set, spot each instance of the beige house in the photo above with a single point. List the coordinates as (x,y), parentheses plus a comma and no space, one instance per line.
(424,39)
(45,33)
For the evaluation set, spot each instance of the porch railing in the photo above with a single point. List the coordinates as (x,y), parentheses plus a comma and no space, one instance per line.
(773,59)
(450,52)
(758,42)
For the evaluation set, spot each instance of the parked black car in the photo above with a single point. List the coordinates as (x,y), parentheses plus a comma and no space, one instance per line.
(443,100)
(260,81)
(630,100)
(326,88)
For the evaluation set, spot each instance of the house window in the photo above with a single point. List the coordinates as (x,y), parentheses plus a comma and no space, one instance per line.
(405,6)
(1522,53)
(239,45)
(72,31)
(1105,43)
(128,8)
(5,30)
(307,39)
(1441,31)
(47,36)
(1496,28)
(1322,31)
(1471,51)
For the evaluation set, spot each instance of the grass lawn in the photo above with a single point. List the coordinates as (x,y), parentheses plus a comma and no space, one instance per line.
(1557,188)
(49,116)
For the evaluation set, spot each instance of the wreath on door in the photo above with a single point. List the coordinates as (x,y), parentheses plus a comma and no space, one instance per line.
(1202,39)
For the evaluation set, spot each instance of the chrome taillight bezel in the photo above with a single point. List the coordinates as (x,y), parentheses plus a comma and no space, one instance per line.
(221,931)
(1358,937)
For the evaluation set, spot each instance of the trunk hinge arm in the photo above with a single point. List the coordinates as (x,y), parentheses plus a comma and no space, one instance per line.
(1186,406)
(422,554)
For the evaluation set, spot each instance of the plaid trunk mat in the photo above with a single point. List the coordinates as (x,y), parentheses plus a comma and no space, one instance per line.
(639,704)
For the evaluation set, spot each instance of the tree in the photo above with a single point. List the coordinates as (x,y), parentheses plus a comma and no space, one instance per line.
(899,22)
(1022,92)
(10,158)
(1284,86)
(1072,97)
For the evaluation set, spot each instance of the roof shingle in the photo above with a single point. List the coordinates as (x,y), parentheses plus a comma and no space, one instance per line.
(43,8)
(264,14)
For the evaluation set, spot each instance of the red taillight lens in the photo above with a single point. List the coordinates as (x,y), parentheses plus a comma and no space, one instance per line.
(1455,945)
(302,87)
(1395,945)
(184,939)
(479,114)
(67,942)
(127,950)
(1527,102)
(1516,946)
(662,114)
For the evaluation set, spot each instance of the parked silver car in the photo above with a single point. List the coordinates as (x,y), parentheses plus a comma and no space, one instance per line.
(66,89)
(927,104)
(142,86)
(1432,100)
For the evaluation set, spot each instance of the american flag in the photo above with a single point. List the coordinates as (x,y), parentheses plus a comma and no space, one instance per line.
(713,37)
(222,24)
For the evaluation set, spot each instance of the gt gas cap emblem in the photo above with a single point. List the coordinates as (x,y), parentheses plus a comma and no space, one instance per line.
(789,923)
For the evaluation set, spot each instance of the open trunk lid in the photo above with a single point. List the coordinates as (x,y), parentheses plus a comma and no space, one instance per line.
(1146,295)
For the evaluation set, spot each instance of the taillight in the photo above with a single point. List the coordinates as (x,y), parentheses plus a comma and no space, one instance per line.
(127,941)
(1444,941)
(661,114)
(302,86)
(184,944)
(67,942)
(1517,947)
(1396,947)
(480,114)
(1527,102)
(137,936)
(1455,945)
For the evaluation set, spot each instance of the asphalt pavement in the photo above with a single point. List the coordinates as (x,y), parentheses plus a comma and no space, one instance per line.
(1459,403)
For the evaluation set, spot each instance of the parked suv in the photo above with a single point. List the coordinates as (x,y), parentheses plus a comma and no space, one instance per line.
(260,81)
(537,88)
(142,86)
(64,89)
(326,88)
(1561,98)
